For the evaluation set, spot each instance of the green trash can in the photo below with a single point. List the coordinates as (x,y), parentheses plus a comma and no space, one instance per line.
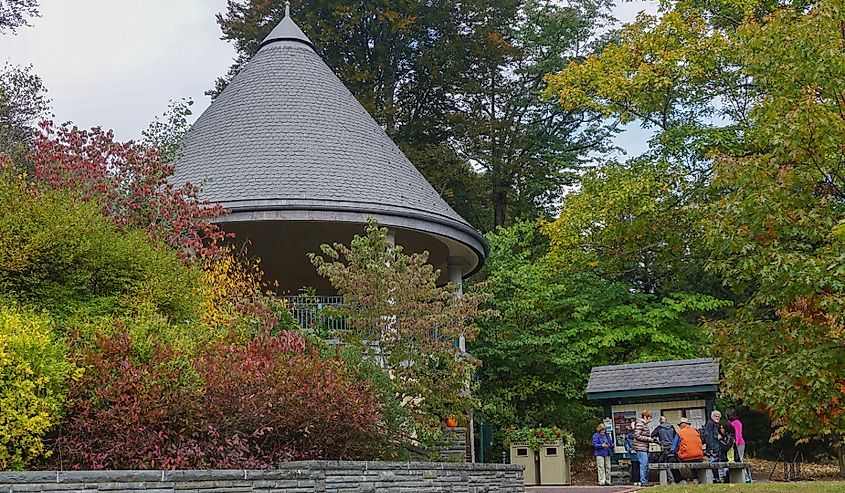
(554,464)
(522,454)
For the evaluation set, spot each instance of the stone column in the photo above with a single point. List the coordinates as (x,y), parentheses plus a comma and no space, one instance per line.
(391,237)
(456,277)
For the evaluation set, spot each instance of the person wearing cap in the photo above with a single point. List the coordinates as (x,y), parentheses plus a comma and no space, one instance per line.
(689,443)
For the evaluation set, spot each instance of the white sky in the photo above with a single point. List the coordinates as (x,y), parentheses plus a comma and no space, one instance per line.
(116,63)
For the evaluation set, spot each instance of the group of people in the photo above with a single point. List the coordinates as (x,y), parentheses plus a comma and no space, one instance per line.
(716,441)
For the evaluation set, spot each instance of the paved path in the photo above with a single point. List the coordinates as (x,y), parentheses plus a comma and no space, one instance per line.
(581,489)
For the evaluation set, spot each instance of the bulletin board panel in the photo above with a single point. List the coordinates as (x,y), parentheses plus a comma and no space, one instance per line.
(623,414)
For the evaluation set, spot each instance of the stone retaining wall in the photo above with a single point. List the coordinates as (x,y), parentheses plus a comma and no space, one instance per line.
(291,477)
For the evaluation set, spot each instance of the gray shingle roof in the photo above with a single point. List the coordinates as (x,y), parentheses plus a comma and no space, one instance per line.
(657,375)
(286,131)
(287,29)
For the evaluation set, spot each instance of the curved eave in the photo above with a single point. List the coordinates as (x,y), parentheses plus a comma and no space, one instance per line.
(355,212)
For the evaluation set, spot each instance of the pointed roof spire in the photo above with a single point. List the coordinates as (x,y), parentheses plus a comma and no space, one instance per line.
(287,30)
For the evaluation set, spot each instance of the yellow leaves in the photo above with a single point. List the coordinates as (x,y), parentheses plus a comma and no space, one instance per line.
(654,61)
(33,369)
(227,280)
(399,21)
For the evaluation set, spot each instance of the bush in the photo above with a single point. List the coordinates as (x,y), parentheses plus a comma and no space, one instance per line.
(130,182)
(62,255)
(128,409)
(281,403)
(33,373)
(232,406)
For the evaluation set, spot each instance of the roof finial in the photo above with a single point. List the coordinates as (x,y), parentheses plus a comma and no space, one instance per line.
(287,8)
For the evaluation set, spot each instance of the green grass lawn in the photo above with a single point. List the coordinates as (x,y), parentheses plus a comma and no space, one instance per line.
(812,487)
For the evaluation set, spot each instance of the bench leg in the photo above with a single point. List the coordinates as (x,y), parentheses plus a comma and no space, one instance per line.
(736,476)
(664,477)
(704,476)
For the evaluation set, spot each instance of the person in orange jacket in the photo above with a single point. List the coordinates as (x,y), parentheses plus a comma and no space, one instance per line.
(689,443)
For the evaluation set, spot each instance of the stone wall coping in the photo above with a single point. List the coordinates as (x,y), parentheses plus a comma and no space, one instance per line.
(286,470)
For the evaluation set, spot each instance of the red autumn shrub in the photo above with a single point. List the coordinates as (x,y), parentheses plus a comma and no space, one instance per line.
(123,414)
(130,180)
(293,407)
(247,406)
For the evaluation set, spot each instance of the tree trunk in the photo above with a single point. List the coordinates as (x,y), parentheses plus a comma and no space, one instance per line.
(500,204)
(499,192)
(840,457)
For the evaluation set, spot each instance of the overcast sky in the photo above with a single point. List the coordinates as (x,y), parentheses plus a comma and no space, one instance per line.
(116,63)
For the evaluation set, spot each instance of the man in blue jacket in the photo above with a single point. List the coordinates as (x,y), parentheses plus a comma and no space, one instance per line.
(602,448)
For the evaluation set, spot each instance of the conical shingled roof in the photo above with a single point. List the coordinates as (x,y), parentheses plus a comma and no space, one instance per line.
(286,134)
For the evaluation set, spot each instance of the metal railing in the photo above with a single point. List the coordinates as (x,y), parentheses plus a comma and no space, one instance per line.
(310,312)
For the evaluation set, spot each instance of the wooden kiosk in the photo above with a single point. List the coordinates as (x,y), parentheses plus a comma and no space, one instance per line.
(675,389)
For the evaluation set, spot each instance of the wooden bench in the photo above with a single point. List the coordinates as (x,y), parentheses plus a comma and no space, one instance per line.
(735,470)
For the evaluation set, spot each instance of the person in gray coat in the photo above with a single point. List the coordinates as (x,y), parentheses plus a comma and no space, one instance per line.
(664,434)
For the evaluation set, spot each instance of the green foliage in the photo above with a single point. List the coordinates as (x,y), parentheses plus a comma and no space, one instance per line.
(535,438)
(528,147)
(166,134)
(62,255)
(556,323)
(394,415)
(674,74)
(746,100)
(34,371)
(22,103)
(632,222)
(775,232)
(396,315)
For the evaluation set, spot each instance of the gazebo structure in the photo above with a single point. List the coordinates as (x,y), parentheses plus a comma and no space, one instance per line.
(298,162)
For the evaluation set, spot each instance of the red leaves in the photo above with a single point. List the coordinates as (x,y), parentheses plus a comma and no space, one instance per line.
(229,406)
(131,183)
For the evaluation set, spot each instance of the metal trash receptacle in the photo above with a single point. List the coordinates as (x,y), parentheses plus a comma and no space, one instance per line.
(522,454)
(554,465)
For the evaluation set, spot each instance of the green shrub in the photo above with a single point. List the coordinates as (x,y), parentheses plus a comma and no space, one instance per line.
(536,437)
(33,372)
(62,255)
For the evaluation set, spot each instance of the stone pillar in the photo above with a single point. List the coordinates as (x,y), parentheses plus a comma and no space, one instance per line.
(456,277)
(391,237)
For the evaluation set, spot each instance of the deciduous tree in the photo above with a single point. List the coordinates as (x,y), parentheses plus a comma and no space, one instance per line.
(14,13)
(398,316)
(776,233)
(556,322)
(165,134)
(130,181)
(22,103)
